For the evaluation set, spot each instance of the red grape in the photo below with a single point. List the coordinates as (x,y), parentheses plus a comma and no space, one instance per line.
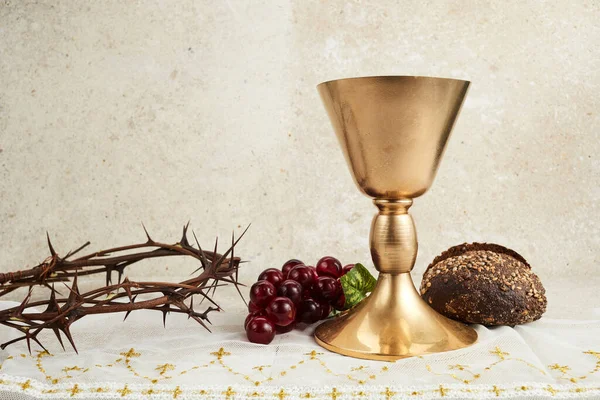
(260,330)
(287,267)
(261,293)
(253,308)
(290,289)
(325,309)
(248,319)
(309,311)
(260,313)
(327,288)
(281,311)
(314,272)
(329,266)
(285,329)
(347,269)
(272,275)
(303,275)
(340,302)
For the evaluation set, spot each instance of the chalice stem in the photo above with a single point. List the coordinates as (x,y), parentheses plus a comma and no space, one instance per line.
(393,237)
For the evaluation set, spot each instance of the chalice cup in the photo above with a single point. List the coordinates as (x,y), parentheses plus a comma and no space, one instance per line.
(393,131)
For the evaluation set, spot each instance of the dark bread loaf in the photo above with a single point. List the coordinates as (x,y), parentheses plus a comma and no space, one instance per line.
(483,283)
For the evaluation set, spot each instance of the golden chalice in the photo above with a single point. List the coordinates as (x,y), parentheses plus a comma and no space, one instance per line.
(393,131)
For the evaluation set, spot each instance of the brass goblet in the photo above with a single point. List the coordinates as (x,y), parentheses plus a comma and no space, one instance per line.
(393,131)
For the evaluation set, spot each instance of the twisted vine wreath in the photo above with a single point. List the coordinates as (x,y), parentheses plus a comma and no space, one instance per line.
(62,311)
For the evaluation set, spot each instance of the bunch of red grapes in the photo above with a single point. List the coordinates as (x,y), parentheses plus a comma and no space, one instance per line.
(296,294)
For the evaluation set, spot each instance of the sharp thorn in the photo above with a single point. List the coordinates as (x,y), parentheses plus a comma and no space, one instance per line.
(224,256)
(147,234)
(184,240)
(201,322)
(236,284)
(72,253)
(203,259)
(28,342)
(165,311)
(206,297)
(108,275)
(53,290)
(50,244)
(127,288)
(67,333)
(129,312)
(57,333)
(35,339)
(74,289)
(52,303)
(23,304)
(236,268)
(6,344)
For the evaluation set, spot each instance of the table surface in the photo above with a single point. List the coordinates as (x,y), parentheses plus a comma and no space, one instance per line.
(556,357)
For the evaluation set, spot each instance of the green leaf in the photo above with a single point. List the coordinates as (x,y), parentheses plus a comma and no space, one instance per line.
(357,284)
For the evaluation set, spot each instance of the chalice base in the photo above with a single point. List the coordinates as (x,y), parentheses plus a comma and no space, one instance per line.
(393,323)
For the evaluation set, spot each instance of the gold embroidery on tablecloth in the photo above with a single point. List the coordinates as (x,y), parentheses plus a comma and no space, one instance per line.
(162,369)
(229,392)
(368,373)
(149,392)
(496,390)
(176,392)
(442,391)
(7,359)
(566,375)
(125,391)
(221,355)
(39,360)
(74,390)
(168,370)
(550,389)
(503,356)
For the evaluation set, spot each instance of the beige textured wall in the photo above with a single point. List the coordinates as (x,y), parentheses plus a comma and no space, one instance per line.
(116,112)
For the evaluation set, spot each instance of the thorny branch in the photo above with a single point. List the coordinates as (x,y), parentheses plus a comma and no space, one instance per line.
(61,312)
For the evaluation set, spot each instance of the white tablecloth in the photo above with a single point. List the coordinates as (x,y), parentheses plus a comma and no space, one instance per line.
(550,358)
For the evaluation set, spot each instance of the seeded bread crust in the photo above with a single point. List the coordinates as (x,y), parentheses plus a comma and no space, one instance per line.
(483,283)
